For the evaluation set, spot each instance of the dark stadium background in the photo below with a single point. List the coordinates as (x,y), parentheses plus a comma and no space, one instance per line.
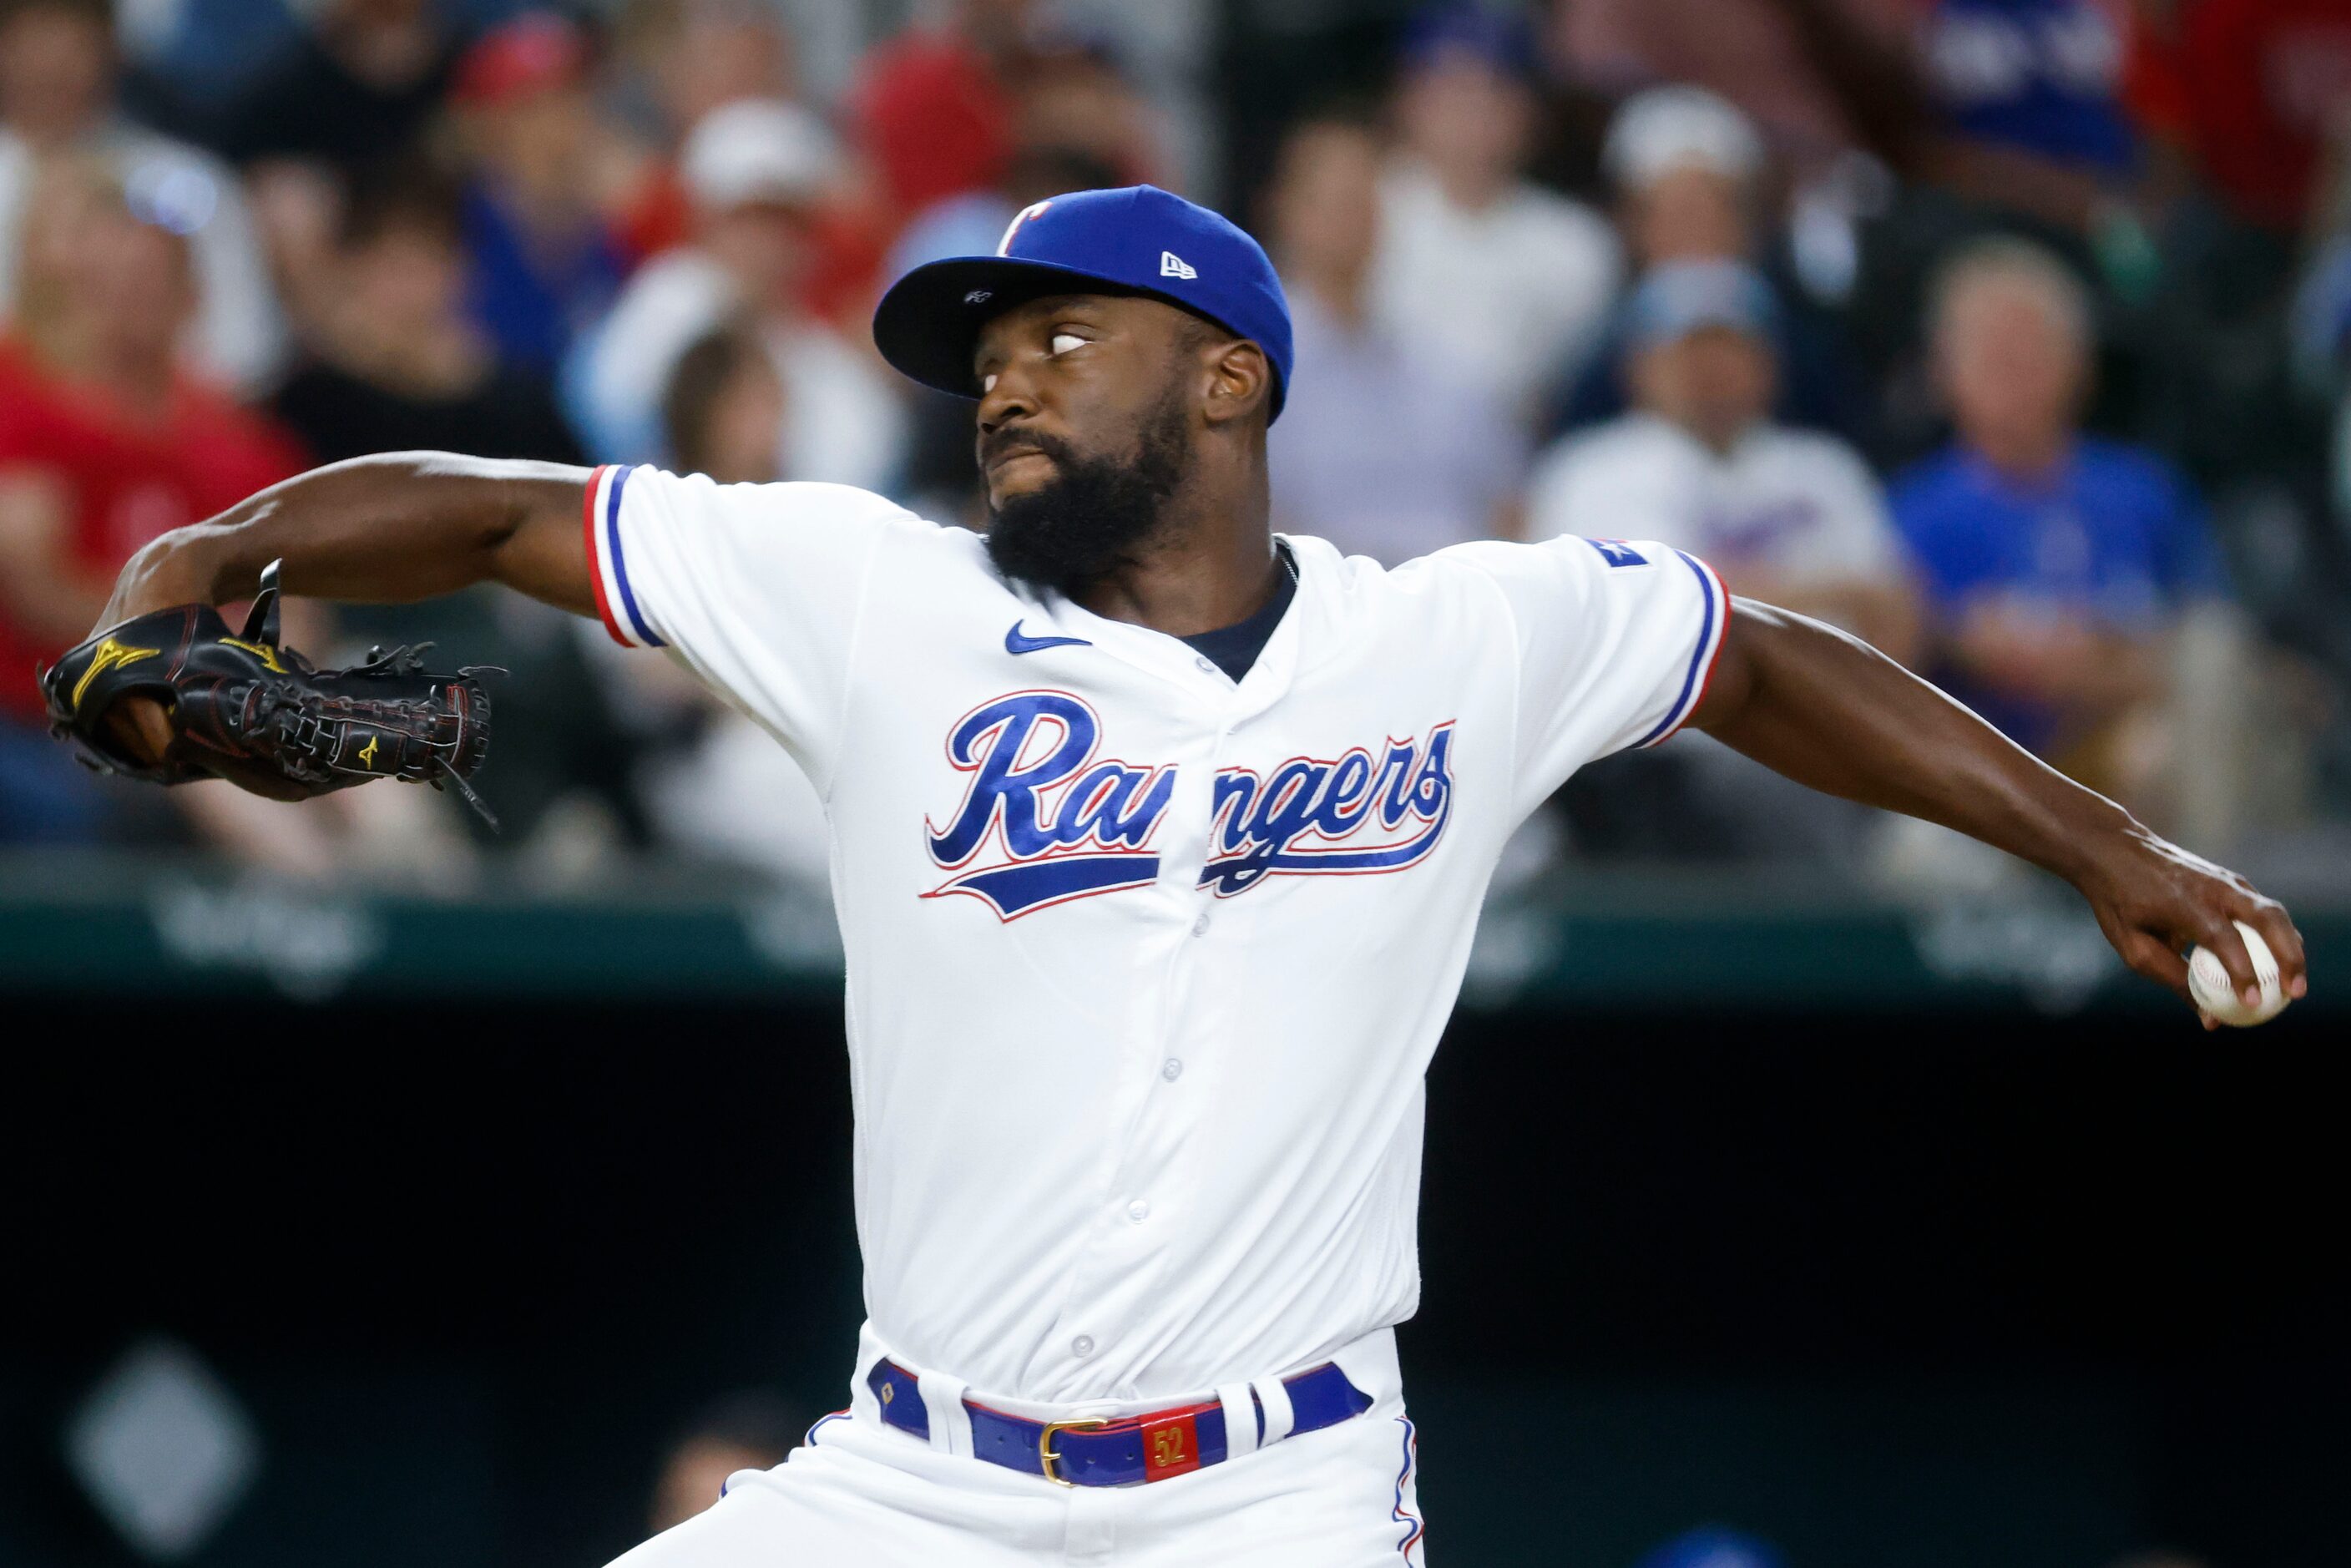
(1944,1288)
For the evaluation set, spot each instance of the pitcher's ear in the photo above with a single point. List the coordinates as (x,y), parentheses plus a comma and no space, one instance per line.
(1242,381)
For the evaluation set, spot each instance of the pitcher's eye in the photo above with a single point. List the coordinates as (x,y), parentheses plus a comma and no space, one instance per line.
(987,383)
(1064,341)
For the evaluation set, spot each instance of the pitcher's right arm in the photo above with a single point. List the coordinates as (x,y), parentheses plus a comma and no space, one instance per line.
(386,529)
(390,528)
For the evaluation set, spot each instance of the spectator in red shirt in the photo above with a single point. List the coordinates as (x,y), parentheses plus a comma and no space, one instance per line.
(105,440)
(933,109)
(2249,91)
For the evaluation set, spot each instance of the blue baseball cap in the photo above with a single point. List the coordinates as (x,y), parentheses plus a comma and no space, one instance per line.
(1137,239)
(1680,297)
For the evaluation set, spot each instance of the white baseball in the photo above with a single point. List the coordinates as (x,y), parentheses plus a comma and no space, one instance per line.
(2207,982)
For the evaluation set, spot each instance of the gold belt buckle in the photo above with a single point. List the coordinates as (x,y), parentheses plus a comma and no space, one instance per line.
(1048,1458)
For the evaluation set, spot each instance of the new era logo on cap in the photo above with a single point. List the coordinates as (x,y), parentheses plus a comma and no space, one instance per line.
(1174,265)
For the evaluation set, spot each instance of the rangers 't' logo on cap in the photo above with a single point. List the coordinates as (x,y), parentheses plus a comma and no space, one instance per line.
(1034,209)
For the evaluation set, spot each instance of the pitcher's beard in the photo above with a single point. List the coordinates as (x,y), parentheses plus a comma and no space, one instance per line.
(1095,515)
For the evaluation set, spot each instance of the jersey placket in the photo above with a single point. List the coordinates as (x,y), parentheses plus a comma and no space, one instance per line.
(1159,1122)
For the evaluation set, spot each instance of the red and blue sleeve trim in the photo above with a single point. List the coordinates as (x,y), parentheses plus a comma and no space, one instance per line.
(1714,620)
(616,600)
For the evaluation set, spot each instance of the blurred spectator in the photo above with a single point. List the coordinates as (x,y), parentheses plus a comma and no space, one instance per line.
(398,365)
(2249,92)
(1072,93)
(353,90)
(58,81)
(352,93)
(1789,517)
(2056,563)
(751,1430)
(756,172)
(1378,449)
(714,784)
(1690,177)
(1478,268)
(1686,166)
(2041,77)
(106,439)
(723,408)
(932,108)
(1757,54)
(694,55)
(105,442)
(699,56)
(1170,56)
(2009,104)
(544,263)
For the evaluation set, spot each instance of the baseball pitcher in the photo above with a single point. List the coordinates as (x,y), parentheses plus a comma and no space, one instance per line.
(1158,841)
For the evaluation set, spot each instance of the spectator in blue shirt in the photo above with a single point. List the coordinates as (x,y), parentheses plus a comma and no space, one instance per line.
(544,262)
(2055,562)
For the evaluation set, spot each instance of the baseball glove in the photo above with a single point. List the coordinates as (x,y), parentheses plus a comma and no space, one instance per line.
(259,715)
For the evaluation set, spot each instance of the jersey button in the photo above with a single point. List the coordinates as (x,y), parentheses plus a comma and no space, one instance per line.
(1138,1211)
(1171,1070)
(1207,666)
(1200,927)
(1081,1346)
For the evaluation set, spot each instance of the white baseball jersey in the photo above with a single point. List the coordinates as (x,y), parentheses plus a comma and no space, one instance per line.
(1145,966)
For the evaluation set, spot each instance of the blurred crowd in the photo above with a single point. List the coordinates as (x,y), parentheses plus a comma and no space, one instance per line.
(2012,336)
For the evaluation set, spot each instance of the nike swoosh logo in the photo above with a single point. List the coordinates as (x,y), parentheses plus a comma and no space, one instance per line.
(1016,643)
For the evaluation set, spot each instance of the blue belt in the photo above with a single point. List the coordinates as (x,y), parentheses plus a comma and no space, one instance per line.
(1125,1452)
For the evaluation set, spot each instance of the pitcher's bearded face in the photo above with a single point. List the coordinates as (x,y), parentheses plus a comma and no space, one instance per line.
(1085,433)
(1082,516)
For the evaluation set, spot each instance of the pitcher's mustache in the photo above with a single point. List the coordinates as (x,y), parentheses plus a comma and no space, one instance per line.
(1012,438)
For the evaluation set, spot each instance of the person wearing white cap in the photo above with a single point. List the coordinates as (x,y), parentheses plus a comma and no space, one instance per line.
(1685,164)
(754,170)
(1792,515)
(1692,178)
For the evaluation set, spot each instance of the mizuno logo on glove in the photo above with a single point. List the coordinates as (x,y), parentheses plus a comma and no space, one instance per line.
(108,654)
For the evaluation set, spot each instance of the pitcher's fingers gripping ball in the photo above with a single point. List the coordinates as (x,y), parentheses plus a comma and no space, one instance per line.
(247,709)
(2207,983)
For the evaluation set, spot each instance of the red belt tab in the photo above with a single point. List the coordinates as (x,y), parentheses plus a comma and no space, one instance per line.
(1171,1445)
